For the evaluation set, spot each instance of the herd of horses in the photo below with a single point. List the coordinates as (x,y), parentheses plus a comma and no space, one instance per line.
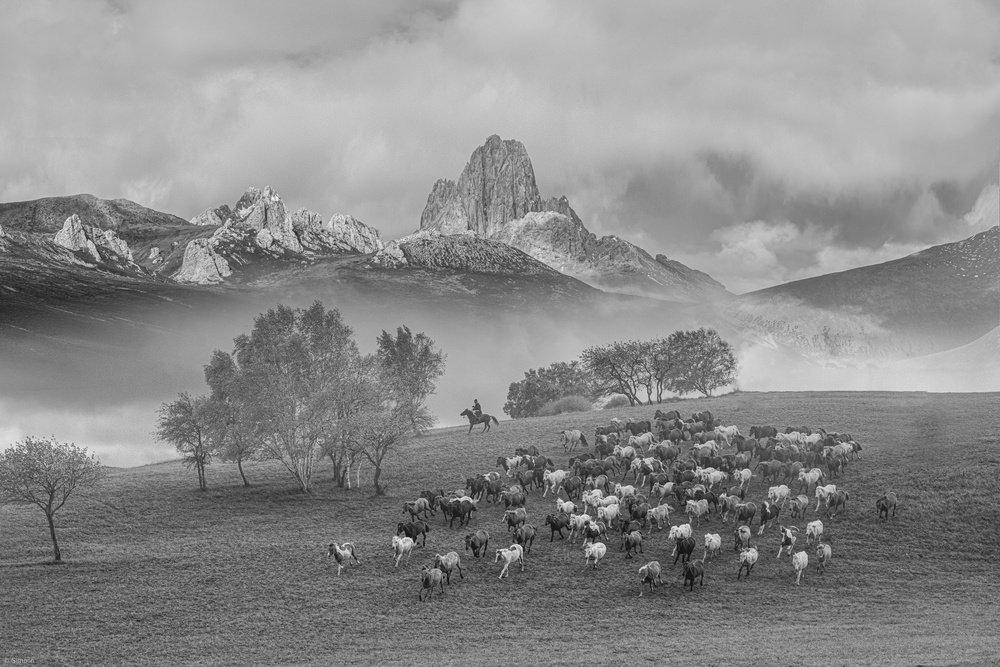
(697,467)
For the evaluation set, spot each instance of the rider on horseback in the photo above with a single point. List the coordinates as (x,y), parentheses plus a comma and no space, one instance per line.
(475,407)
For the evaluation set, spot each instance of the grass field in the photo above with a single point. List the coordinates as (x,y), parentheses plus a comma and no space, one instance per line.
(158,573)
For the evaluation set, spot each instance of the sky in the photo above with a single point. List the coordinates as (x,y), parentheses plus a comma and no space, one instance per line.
(760,142)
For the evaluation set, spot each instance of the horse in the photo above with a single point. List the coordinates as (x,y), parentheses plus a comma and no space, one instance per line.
(483,419)
(571,438)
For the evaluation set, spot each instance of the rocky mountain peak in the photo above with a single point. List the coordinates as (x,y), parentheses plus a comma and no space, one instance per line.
(497,197)
(87,239)
(496,186)
(265,212)
(245,202)
(467,252)
(259,226)
(72,237)
(354,233)
(216,216)
(561,241)
(202,264)
(561,205)
(444,197)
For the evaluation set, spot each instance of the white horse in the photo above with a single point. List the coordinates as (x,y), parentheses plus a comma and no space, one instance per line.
(343,553)
(572,438)
(553,480)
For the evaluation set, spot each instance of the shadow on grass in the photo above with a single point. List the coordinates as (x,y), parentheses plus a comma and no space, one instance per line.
(42,563)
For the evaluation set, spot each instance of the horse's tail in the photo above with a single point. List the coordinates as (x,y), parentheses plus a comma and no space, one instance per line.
(583,439)
(494,420)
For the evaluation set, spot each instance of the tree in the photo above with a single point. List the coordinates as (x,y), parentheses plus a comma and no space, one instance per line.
(230,422)
(659,362)
(45,473)
(184,424)
(618,367)
(384,423)
(292,370)
(354,394)
(525,397)
(414,364)
(700,361)
(645,369)
(297,389)
(544,385)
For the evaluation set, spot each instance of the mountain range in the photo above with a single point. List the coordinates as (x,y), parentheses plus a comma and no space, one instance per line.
(74,267)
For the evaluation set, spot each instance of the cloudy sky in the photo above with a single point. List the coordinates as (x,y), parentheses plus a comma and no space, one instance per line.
(757,141)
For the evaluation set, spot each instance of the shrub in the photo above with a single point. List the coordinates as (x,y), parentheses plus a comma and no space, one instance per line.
(545,385)
(565,404)
(616,401)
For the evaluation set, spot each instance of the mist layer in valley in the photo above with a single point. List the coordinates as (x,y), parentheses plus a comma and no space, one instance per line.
(101,384)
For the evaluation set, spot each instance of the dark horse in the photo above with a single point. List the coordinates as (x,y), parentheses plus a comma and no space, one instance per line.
(483,419)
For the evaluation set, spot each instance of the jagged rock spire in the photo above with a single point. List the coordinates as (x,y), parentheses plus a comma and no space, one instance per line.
(496,186)
(78,237)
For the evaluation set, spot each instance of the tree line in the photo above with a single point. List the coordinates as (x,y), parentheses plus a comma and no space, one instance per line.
(682,363)
(297,389)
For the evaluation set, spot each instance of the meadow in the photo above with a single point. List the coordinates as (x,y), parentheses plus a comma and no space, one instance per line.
(157,572)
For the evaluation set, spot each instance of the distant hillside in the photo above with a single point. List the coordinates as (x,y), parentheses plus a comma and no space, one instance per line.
(51,297)
(609,263)
(142,228)
(971,367)
(936,299)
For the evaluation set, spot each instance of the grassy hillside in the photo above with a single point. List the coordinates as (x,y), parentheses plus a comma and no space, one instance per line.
(160,573)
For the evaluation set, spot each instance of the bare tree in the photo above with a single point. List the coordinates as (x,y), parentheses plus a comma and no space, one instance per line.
(45,473)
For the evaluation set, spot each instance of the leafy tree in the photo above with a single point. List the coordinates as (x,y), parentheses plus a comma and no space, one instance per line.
(185,424)
(230,421)
(354,393)
(659,367)
(524,398)
(291,371)
(700,361)
(545,385)
(619,367)
(45,473)
(645,371)
(384,422)
(414,364)
(297,389)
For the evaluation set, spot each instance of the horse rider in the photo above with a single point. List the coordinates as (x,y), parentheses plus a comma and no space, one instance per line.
(475,407)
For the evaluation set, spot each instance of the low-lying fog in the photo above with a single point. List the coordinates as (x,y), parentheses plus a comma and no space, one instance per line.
(109,402)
